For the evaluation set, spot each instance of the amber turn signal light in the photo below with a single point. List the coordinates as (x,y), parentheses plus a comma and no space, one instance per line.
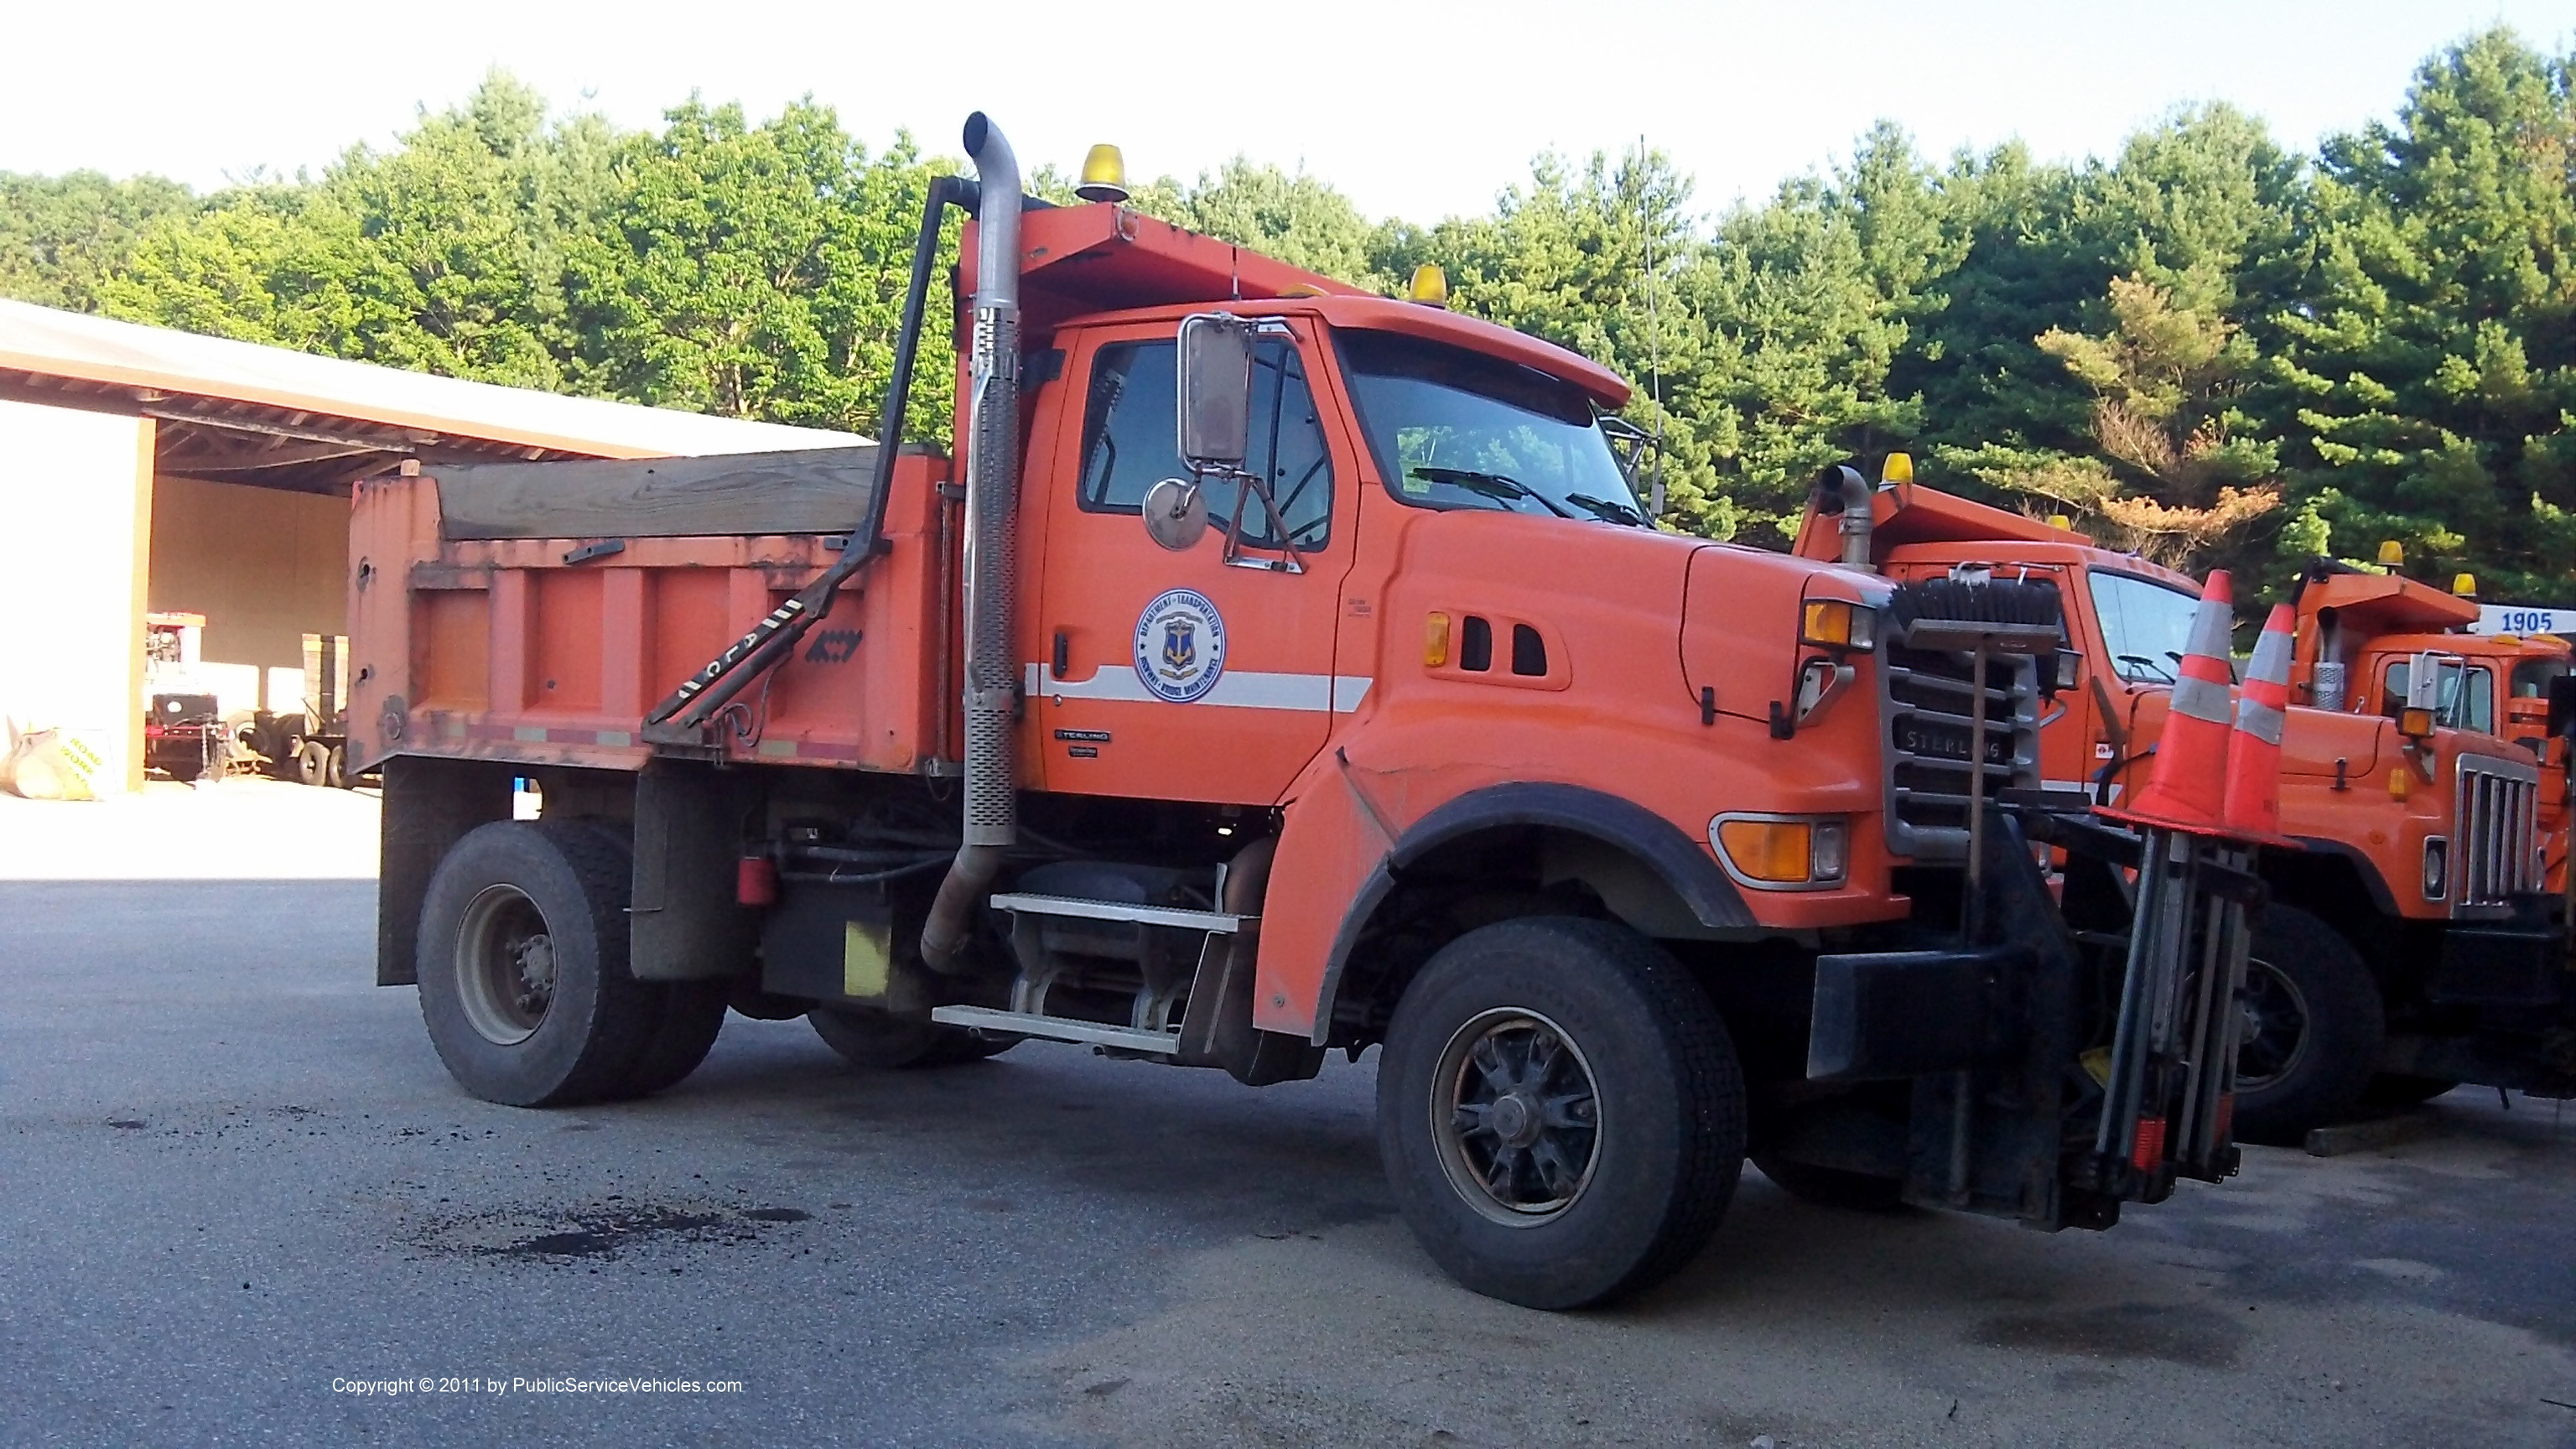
(1788,854)
(1835,624)
(1435,640)
(1777,851)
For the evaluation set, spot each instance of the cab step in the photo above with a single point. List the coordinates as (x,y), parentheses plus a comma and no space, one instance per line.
(1059,1028)
(1214,922)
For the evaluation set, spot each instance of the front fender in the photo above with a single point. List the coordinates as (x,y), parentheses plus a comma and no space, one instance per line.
(1326,848)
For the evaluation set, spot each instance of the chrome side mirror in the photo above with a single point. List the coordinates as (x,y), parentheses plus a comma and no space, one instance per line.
(1215,391)
(1176,514)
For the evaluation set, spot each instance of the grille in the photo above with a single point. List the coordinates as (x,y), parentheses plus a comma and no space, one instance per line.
(1925,697)
(2495,854)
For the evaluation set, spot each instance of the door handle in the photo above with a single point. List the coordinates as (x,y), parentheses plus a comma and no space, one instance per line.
(1063,658)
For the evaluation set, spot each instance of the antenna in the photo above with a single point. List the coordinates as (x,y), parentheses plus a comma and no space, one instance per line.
(1654,339)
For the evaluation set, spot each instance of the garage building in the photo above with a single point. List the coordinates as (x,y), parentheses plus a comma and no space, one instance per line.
(150,473)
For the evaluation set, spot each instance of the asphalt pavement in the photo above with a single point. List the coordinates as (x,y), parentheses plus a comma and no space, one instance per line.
(238,1192)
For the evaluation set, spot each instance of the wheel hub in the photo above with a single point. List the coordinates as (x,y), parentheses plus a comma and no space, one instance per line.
(536,961)
(2272,1038)
(1516,1114)
(505,965)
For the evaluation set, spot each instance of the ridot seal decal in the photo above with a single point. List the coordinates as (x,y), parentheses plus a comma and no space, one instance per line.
(1180,646)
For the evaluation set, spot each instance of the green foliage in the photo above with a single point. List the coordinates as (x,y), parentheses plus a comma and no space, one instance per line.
(2209,348)
(61,235)
(754,272)
(2429,373)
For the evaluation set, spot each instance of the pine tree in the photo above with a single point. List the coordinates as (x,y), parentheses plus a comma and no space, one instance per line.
(2432,367)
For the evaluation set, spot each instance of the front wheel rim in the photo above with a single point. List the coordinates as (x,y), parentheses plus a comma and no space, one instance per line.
(2275,1029)
(1516,1117)
(505,965)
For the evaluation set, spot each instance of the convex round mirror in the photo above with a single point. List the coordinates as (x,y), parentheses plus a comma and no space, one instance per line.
(1176,514)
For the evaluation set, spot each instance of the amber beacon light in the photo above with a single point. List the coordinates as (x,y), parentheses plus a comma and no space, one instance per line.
(1104,175)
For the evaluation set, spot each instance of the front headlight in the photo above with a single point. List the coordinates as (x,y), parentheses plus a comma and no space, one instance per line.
(1838,624)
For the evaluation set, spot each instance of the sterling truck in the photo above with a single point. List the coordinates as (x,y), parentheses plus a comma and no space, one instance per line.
(1282,669)
(2410,943)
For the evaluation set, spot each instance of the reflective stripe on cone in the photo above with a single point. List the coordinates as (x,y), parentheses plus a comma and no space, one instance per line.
(2252,804)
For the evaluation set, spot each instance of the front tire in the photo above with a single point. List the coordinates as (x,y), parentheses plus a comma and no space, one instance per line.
(524,983)
(2310,1040)
(1560,1112)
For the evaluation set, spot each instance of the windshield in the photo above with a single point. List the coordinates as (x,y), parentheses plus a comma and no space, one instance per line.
(2531,677)
(1455,429)
(2145,625)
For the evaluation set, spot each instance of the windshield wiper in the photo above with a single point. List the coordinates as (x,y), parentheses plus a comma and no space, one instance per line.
(1608,510)
(2145,663)
(1490,485)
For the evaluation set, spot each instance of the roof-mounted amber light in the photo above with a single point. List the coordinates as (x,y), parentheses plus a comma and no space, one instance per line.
(1899,468)
(2465,585)
(2392,554)
(1104,175)
(1430,286)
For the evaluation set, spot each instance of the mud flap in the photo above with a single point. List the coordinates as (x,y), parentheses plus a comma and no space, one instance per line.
(688,835)
(429,805)
(1217,1029)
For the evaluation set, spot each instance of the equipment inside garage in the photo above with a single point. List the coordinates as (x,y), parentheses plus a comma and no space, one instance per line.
(147,473)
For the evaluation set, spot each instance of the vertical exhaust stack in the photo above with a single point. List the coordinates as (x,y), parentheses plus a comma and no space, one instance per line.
(1842,491)
(992,495)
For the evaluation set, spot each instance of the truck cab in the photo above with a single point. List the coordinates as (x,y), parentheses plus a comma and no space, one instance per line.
(2405,948)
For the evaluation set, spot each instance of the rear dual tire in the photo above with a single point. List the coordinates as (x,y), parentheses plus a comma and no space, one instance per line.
(875,1041)
(1560,1112)
(525,984)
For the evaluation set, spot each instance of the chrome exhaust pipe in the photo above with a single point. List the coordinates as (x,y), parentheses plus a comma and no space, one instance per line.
(1841,490)
(992,495)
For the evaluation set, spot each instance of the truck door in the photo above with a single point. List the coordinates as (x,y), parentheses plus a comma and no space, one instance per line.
(1187,675)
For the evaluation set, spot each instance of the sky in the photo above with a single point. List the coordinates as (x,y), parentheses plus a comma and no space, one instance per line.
(1413,110)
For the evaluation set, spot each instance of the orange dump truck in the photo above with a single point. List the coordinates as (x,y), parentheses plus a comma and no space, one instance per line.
(2409,943)
(2364,638)
(1281,669)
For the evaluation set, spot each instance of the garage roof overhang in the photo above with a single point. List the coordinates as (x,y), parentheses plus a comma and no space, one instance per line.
(241,412)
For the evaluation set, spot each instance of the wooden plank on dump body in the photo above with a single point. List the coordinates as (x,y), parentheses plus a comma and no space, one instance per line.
(817,490)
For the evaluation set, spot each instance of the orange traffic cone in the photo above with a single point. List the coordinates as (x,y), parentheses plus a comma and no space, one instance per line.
(2188,788)
(2253,799)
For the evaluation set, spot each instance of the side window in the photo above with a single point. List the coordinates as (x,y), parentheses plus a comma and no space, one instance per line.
(2468,704)
(1129,442)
